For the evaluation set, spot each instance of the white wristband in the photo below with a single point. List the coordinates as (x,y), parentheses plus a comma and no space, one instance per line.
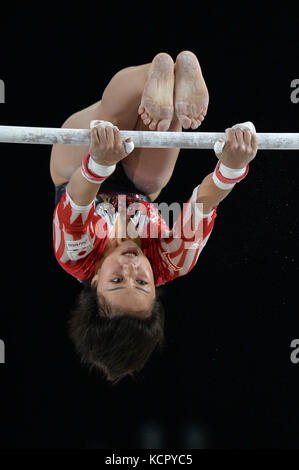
(231,173)
(228,173)
(221,185)
(100,170)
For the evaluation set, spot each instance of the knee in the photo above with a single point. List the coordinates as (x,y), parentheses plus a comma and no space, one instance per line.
(151,185)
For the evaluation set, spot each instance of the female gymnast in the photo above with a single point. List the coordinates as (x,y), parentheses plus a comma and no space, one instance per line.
(107,232)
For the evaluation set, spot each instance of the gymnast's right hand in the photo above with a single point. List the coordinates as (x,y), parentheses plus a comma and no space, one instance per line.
(107,146)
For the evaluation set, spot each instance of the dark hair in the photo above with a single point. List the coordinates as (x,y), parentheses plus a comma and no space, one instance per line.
(116,346)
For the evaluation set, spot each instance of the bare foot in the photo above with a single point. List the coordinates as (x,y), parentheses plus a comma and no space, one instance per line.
(156,108)
(191,93)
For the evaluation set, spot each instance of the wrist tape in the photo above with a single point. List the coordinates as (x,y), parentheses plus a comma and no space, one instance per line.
(226,178)
(94,172)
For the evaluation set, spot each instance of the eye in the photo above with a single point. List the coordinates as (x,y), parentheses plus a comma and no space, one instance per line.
(116,280)
(142,283)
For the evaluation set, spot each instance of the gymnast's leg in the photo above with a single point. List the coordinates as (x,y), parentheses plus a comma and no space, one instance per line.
(184,87)
(151,91)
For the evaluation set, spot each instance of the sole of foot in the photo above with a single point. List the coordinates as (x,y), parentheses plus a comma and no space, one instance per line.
(190,92)
(156,108)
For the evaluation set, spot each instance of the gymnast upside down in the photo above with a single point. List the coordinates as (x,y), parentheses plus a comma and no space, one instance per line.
(118,320)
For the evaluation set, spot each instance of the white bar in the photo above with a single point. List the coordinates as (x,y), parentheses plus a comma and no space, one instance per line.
(149,139)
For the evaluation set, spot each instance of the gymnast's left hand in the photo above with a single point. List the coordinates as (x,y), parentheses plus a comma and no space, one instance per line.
(107,146)
(240,148)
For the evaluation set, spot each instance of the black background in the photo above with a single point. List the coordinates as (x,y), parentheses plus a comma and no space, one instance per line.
(226,367)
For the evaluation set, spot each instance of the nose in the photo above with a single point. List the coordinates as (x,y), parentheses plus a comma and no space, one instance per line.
(130,266)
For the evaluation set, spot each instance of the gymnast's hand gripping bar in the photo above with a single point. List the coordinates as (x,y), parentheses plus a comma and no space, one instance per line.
(141,139)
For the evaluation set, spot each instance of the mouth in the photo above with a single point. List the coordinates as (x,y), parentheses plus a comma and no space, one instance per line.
(130,251)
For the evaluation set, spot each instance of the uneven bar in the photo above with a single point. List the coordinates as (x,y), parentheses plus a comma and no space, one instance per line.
(145,139)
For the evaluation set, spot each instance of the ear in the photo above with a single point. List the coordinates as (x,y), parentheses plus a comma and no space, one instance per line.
(94,280)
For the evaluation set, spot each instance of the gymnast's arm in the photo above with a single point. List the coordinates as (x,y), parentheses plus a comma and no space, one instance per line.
(107,148)
(239,150)
(80,190)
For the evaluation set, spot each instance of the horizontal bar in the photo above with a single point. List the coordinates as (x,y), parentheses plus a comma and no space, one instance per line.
(141,139)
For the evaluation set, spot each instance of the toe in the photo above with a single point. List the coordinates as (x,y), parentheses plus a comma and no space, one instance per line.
(195,123)
(153,125)
(183,111)
(146,119)
(163,125)
(141,109)
(185,121)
